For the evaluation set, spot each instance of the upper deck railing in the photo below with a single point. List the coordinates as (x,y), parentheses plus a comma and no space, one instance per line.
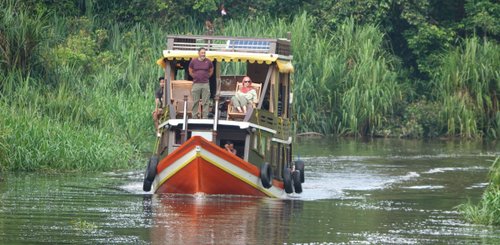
(278,46)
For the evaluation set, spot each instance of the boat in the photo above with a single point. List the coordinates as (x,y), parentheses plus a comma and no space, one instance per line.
(190,157)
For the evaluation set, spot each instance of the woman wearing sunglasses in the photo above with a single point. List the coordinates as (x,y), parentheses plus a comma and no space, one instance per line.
(246,95)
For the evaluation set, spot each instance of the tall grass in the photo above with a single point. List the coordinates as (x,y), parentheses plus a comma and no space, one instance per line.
(52,145)
(32,140)
(487,211)
(468,85)
(78,118)
(316,68)
(368,90)
(21,33)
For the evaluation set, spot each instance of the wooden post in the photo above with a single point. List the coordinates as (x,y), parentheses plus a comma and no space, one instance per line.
(265,87)
(167,88)
(185,121)
(216,119)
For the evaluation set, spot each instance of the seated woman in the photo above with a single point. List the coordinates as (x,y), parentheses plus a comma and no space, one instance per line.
(246,95)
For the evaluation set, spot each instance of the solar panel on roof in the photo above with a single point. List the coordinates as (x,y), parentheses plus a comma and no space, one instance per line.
(247,44)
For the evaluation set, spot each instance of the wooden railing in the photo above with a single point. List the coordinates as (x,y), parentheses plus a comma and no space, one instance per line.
(230,44)
(267,119)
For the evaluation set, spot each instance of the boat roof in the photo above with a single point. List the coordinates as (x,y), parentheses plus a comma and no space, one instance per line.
(230,49)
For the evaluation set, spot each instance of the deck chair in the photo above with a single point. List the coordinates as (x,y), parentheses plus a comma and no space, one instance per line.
(232,113)
(179,88)
(228,85)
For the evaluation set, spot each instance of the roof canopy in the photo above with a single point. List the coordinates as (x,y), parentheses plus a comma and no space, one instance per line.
(284,66)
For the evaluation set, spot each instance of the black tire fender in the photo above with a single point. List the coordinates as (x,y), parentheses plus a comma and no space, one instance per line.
(287,180)
(151,169)
(147,185)
(297,184)
(299,165)
(266,175)
(150,173)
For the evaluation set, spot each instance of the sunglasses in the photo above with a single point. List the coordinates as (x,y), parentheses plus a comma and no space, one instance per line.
(247,81)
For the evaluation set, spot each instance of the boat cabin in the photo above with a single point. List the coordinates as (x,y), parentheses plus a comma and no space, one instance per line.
(261,135)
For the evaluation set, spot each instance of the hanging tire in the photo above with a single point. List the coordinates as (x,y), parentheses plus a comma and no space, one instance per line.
(150,173)
(299,165)
(266,175)
(151,169)
(147,185)
(297,184)
(287,180)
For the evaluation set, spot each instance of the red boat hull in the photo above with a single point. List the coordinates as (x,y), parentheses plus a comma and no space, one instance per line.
(199,166)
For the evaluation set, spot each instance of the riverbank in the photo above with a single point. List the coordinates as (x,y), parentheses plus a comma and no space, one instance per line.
(487,210)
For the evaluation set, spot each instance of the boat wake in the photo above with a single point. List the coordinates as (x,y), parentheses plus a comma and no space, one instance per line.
(447,169)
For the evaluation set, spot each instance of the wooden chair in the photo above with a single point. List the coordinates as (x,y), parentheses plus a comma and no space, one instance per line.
(228,84)
(232,112)
(179,88)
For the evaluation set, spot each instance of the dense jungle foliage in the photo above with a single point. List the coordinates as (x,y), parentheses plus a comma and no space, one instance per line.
(77,76)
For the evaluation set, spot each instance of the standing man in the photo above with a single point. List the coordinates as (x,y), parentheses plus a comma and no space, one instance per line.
(158,112)
(201,69)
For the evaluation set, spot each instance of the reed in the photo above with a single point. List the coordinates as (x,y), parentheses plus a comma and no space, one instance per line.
(467,84)
(21,33)
(4,132)
(369,89)
(314,71)
(49,144)
(487,211)
(36,135)
(99,119)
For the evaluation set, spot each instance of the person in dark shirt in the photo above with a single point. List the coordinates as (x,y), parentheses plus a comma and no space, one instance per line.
(201,69)
(158,112)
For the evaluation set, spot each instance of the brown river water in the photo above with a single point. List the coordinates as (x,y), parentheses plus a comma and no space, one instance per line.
(383,191)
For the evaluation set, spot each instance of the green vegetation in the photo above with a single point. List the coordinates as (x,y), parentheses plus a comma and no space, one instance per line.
(486,212)
(84,226)
(467,84)
(77,80)
(345,84)
(87,106)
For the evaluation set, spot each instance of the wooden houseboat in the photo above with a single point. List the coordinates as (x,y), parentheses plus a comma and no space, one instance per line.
(190,157)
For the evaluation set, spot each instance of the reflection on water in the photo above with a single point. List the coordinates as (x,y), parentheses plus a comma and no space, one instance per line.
(221,220)
(377,192)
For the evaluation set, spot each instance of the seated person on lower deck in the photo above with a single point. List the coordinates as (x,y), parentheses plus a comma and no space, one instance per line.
(229,146)
(246,95)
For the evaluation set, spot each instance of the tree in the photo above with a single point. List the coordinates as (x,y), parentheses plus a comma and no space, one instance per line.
(483,17)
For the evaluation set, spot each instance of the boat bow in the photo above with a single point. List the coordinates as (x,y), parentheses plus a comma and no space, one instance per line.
(199,166)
